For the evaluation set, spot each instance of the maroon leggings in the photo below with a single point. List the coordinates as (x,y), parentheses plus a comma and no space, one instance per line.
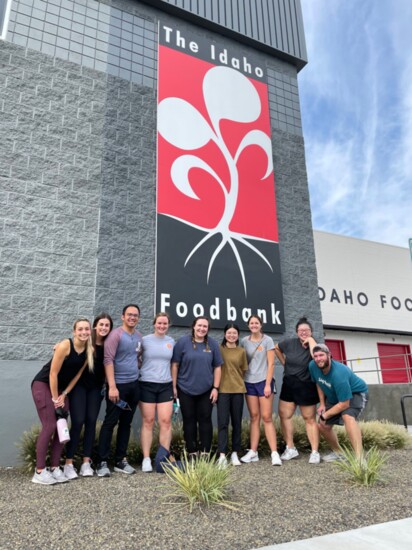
(46,411)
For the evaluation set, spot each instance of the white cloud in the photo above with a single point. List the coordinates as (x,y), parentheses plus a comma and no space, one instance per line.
(356,97)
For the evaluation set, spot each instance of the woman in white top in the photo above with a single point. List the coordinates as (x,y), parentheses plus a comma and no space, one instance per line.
(260,388)
(156,389)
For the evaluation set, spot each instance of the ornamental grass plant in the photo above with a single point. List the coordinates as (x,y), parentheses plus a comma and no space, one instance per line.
(365,470)
(200,482)
(384,435)
(380,434)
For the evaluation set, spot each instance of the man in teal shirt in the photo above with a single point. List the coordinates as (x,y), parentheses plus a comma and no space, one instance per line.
(342,399)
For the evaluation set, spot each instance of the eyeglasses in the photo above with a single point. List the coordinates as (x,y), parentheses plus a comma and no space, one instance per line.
(134,315)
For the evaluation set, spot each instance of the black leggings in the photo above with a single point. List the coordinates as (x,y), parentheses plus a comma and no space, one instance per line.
(84,410)
(197,412)
(229,407)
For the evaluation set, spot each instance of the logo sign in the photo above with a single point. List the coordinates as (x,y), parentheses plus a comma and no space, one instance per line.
(217,233)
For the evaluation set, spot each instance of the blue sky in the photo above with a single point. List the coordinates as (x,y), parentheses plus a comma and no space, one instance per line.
(356,102)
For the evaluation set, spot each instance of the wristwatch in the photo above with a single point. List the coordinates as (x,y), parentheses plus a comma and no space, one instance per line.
(215,388)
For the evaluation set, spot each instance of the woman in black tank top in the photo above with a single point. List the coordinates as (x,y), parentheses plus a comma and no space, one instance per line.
(50,388)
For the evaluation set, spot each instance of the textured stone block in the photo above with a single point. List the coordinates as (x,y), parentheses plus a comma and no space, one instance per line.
(90,117)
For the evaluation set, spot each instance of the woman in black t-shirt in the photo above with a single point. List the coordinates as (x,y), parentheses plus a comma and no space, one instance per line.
(298,390)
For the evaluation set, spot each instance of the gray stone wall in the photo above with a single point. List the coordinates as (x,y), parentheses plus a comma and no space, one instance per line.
(78,187)
(79,178)
(50,172)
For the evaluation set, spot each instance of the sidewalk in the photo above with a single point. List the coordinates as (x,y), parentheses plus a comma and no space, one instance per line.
(394,535)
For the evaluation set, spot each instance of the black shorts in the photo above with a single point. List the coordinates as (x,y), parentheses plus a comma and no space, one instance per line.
(299,392)
(356,407)
(155,392)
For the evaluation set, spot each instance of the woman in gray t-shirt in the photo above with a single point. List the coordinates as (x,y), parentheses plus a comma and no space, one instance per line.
(260,388)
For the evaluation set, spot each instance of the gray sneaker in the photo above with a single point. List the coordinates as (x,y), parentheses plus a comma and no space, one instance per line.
(44,477)
(124,467)
(331,457)
(102,470)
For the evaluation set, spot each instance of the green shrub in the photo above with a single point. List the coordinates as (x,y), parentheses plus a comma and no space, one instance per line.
(364,470)
(201,482)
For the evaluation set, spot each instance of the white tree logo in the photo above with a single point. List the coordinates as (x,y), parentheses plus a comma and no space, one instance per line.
(228,95)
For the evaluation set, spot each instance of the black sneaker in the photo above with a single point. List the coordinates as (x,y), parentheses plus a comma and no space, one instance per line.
(124,467)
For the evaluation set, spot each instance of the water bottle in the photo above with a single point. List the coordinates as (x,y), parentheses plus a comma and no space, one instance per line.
(176,408)
(62,427)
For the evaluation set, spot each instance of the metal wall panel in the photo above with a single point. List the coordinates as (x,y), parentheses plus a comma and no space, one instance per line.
(275,24)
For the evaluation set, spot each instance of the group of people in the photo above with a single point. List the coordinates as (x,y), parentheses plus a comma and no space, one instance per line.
(153,371)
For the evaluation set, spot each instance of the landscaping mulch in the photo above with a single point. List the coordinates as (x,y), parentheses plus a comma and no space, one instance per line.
(277,504)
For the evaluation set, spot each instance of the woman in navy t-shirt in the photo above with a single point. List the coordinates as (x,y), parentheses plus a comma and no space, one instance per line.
(196,370)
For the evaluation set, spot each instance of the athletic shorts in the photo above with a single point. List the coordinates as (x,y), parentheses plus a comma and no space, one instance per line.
(356,407)
(155,392)
(298,391)
(258,388)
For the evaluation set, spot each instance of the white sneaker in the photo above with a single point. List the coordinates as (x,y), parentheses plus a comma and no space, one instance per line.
(250,456)
(289,453)
(331,457)
(234,460)
(44,477)
(59,476)
(222,461)
(86,470)
(70,471)
(314,457)
(276,459)
(147,465)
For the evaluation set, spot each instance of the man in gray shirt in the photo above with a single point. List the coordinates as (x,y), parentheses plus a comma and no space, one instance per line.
(122,351)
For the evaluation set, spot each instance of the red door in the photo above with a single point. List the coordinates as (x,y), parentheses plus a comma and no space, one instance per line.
(337,349)
(395,360)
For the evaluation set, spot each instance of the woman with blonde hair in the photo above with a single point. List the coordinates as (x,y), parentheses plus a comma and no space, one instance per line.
(50,389)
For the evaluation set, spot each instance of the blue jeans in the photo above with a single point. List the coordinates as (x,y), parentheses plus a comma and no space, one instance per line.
(116,416)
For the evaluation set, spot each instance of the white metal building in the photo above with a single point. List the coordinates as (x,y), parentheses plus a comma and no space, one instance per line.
(365,291)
